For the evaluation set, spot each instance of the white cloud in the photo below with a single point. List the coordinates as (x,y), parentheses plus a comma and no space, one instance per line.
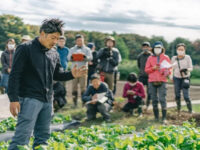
(171,18)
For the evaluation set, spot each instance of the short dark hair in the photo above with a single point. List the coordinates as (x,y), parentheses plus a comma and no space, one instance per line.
(52,26)
(132,77)
(146,44)
(10,40)
(95,76)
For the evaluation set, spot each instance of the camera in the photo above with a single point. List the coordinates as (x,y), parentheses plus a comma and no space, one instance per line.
(107,52)
(185,71)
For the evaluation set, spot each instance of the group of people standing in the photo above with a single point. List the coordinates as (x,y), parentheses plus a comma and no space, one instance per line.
(39,64)
(155,69)
(102,66)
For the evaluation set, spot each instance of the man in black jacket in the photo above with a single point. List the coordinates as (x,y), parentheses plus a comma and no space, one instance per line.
(141,62)
(98,98)
(30,90)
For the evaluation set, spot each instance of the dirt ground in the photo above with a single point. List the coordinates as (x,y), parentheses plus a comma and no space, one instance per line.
(4,102)
(194,91)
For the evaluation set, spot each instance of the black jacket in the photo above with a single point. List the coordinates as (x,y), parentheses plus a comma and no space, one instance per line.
(92,68)
(141,62)
(6,60)
(33,71)
(109,59)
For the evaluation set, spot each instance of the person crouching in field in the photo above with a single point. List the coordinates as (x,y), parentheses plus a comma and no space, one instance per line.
(98,98)
(134,92)
(158,69)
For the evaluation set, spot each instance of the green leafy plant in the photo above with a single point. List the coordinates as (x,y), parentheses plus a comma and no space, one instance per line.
(118,137)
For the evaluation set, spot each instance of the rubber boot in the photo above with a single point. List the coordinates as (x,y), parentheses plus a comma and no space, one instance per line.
(189,106)
(156,113)
(164,116)
(178,102)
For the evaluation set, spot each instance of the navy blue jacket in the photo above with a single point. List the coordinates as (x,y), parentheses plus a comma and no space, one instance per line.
(103,88)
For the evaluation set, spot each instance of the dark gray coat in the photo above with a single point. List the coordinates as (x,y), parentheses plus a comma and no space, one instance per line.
(6,60)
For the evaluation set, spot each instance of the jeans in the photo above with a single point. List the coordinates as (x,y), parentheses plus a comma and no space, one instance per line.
(4,81)
(35,116)
(177,89)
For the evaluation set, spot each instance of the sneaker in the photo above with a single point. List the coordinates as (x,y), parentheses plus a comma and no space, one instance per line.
(140,115)
(164,122)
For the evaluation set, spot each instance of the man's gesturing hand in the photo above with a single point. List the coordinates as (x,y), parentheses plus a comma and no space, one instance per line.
(14,108)
(79,72)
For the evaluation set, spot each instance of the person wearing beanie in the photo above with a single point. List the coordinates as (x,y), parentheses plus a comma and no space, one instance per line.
(141,63)
(182,67)
(98,98)
(134,92)
(92,65)
(158,68)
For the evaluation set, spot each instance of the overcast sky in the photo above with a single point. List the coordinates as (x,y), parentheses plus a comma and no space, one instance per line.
(168,18)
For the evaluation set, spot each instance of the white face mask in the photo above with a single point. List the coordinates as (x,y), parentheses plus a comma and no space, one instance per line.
(11,46)
(157,51)
(146,50)
(181,53)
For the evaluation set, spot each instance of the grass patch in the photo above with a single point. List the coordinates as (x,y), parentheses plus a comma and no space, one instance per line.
(117,117)
(195,81)
(195,108)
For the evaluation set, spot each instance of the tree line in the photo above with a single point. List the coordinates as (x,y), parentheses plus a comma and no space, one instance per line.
(129,44)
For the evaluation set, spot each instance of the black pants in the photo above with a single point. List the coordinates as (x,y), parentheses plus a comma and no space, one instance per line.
(129,107)
(90,73)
